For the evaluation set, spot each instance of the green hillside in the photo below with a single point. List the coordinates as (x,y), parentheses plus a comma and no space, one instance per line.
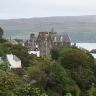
(79,28)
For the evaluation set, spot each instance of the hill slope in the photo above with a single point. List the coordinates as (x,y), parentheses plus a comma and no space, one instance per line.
(79,28)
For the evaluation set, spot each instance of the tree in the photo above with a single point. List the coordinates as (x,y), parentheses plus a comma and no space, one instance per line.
(59,81)
(7,84)
(13,85)
(18,50)
(22,53)
(73,59)
(90,60)
(76,61)
(92,91)
(68,94)
(2,40)
(36,71)
(5,66)
(1,32)
(54,53)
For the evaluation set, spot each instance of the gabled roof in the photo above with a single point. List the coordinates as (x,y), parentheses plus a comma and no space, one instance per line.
(15,58)
(65,37)
(13,41)
(33,48)
(18,40)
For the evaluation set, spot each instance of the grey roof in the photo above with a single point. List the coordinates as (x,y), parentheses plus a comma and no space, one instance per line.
(33,38)
(16,58)
(33,48)
(22,42)
(13,41)
(18,40)
(65,37)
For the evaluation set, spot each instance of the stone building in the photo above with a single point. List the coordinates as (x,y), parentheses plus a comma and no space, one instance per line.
(46,40)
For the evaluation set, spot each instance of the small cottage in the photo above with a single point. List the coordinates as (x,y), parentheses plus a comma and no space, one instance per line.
(14,61)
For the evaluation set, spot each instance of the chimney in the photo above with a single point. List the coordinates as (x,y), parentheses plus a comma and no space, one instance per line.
(50,33)
(32,35)
(43,34)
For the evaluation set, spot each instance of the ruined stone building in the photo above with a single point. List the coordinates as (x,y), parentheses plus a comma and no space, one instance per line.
(46,40)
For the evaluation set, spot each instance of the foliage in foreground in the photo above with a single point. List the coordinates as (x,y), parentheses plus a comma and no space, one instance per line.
(70,72)
(13,85)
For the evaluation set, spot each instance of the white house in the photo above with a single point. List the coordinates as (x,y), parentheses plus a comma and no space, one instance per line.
(34,50)
(14,61)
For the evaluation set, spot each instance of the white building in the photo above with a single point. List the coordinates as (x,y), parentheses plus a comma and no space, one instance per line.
(14,61)
(34,50)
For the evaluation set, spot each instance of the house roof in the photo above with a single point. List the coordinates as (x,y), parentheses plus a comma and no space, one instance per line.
(33,38)
(13,41)
(16,58)
(18,40)
(33,48)
(65,37)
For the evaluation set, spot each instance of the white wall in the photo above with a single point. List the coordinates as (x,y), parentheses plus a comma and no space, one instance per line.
(18,64)
(12,62)
(35,52)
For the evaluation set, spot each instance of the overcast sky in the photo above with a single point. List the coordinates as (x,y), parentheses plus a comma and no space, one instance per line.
(13,9)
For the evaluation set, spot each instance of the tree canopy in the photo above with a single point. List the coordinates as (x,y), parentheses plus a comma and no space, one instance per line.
(73,59)
(1,32)
(71,71)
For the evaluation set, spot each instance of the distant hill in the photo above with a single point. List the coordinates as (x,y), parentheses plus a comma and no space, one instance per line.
(79,28)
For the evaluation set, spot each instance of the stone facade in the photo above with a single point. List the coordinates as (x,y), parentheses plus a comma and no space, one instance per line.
(46,40)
